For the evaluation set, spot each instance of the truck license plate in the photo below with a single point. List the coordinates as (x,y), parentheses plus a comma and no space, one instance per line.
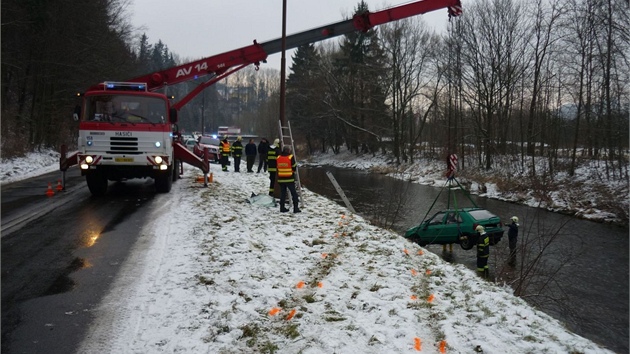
(124,159)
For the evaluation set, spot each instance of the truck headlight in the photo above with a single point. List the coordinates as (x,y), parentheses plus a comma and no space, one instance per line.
(158,160)
(89,159)
(158,144)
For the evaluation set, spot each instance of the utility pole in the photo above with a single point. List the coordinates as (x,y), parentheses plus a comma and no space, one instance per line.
(283,120)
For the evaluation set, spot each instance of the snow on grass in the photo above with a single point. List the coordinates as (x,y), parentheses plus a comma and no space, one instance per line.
(208,275)
(220,265)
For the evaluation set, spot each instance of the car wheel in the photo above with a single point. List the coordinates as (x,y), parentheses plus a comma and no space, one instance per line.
(467,241)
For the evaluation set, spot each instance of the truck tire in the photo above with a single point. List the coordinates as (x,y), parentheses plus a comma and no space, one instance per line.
(164,181)
(176,170)
(97,183)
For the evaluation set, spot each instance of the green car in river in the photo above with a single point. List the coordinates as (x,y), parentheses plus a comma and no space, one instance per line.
(456,226)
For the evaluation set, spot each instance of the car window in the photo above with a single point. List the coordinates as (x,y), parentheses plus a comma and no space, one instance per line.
(453,218)
(437,218)
(481,214)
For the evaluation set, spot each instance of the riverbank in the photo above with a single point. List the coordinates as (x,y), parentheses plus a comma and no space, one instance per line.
(215,274)
(586,195)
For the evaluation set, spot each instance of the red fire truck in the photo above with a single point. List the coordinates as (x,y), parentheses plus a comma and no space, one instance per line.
(128,130)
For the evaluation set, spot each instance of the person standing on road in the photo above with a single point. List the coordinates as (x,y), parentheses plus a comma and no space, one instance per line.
(250,155)
(263,147)
(286,166)
(237,152)
(272,155)
(483,251)
(225,152)
(513,237)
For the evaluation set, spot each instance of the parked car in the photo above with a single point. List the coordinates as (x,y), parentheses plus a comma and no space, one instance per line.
(190,143)
(213,145)
(456,226)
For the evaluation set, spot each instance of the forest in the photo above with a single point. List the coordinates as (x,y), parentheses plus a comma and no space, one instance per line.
(510,82)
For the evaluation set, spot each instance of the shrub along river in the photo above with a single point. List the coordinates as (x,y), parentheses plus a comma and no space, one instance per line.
(574,270)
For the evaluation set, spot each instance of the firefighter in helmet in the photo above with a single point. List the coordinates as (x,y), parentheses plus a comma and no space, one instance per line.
(483,251)
(237,152)
(286,166)
(513,238)
(272,154)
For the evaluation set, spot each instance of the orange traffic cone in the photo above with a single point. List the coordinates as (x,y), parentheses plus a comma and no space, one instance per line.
(210,178)
(59,186)
(50,191)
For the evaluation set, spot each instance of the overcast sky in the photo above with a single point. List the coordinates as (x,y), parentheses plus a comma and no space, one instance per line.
(194,29)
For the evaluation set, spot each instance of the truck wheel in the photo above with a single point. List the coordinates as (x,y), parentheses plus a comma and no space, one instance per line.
(97,183)
(176,167)
(164,181)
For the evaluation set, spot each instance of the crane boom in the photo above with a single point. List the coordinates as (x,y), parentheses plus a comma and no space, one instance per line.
(224,64)
(126,131)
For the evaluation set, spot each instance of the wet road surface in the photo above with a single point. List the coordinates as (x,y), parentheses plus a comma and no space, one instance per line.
(57,267)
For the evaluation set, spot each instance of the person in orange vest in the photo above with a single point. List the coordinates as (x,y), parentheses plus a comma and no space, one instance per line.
(225,152)
(286,166)
(272,154)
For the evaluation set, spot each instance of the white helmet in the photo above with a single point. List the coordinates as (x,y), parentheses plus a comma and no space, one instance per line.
(239,138)
(479,228)
(514,218)
(276,142)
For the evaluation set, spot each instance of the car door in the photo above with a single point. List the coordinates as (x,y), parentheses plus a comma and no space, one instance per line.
(451,227)
(432,228)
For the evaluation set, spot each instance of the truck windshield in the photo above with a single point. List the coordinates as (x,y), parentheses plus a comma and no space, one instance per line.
(125,108)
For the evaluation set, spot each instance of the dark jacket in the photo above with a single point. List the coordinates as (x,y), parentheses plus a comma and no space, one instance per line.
(483,245)
(263,147)
(272,155)
(237,149)
(513,230)
(250,149)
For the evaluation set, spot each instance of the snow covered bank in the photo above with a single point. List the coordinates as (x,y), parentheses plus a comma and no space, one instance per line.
(215,274)
(225,276)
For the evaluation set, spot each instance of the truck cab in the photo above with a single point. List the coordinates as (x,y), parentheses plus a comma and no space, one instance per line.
(125,132)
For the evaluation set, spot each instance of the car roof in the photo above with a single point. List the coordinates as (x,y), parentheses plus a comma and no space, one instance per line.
(209,140)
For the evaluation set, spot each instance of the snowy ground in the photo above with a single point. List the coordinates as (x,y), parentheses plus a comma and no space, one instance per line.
(228,279)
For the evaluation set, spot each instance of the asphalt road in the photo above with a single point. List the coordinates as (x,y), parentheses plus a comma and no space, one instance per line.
(60,255)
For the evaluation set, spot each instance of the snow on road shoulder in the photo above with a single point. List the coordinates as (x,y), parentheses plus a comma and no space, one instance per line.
(33,164)
(215,274)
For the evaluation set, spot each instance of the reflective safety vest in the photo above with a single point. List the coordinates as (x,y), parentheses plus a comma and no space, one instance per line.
(237,149)
(225,148)
(272,155)
(483,245)
(285,168)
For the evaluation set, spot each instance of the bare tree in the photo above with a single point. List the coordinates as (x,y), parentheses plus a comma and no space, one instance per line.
(493,37)
(411,48)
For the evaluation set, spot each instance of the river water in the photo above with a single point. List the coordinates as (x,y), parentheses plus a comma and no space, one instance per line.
(574,270)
